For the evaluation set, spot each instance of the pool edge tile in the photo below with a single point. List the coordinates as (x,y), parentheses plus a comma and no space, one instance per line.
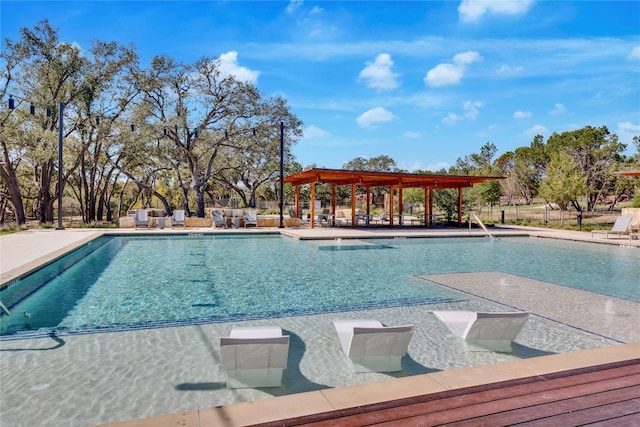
(578,359)
(381,391)
(265,410)
(183,419)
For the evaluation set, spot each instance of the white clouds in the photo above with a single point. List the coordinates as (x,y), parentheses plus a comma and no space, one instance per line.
(522,114)
(536,130)
(507,71)
(450,74)
(471,109)
(473,10)
(558,110)
(374,116)
(465,58)
(634,55)
(314,132)
(378,74)
(293,5)
(626,131)
(451,119)
(412,135)
(229,67)
(443,75)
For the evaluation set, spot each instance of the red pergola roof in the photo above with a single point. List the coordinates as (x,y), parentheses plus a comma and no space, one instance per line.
(380,179)
(629,173)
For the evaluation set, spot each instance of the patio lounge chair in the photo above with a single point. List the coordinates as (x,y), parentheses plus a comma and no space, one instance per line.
(325,216)
(493,331)
(372,347)
(218,219)
(620,227)
(251,218)
(141,218)
(254,356)
(178,218)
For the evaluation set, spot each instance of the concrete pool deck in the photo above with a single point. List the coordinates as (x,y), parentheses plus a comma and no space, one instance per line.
(21,252)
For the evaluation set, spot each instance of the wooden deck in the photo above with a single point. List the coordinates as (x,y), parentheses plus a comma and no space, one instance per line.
(602,395)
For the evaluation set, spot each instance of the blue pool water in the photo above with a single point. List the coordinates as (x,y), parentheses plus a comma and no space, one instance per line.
(135,282)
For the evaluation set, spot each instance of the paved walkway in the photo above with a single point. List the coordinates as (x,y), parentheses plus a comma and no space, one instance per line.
(27,250)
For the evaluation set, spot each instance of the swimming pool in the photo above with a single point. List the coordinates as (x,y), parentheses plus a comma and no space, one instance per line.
(129,282)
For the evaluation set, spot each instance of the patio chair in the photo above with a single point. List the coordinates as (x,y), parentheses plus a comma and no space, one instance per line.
(372,347)
(141,218)
(493,331)
(620,227)
(251,218)
(386,217)
(254,356)
(178,218)
(218,219)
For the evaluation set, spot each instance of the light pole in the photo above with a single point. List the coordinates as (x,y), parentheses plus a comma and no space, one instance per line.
(281,175)
(60,136)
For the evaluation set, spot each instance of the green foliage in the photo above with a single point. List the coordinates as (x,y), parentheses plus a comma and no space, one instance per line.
(380,163)
(593,151)
(564,182)
(413,195)
(489,191)
(10,229)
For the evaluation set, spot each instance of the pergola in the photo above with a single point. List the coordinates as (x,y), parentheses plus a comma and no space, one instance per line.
(368,180)
(629,173)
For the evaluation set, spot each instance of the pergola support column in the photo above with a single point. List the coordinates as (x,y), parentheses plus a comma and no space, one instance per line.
(400,206)
(333,199)
(368,201)
(459,206)
(312,205)
(427,208)
(353,206)
(391,203)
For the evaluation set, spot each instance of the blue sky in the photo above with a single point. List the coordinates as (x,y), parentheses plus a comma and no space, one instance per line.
(424,82)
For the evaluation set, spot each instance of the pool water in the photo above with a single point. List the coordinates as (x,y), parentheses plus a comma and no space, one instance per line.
(128,282)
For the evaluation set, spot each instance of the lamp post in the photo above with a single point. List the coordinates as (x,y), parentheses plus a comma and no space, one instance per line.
(281,175)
